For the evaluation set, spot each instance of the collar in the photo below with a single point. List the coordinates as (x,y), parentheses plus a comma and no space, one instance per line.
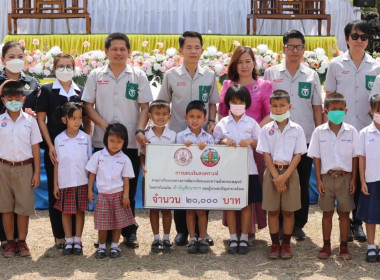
(188,131)
(287,126)
(73,88)
(150,133)
(302,68)
(326,126)
(7,117)
(107,69)
(105,152)
(244,118)
(373,128)
(79,136)
(367,58)
(181,70)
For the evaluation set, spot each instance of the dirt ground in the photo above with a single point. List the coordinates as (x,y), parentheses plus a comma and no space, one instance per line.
(48,263)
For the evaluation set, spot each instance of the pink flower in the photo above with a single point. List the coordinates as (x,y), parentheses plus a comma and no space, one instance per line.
(43,57)
(170,63)
(86,44)
(146,55)
(163,69)
(47,64)
(22,42)
(78,61)
(86,70)
(93,63)
(99,64)
(160,45)
(236,43)
(36,42)
(46,72)
(29,59)
(145,44)
(31,70)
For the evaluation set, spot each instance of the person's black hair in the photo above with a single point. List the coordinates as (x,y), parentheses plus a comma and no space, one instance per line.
(159,104)
(374,102)
(116,129)
(67,110)
(116,36)
(196,105)
(12,88)
(334,98)
(189,34)
(293,34)
(361,25)
(239,92)
(10,44)
(280,94)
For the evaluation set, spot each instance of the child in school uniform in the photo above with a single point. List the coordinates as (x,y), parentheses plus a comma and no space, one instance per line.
(239,129)
(112,169)
(159,113)
(282,143)
(196,115)
(73,148)
(19,151)
(332,147)
(369,162)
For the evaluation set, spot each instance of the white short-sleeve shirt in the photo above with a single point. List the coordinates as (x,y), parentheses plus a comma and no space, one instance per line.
(369,146)
(187,135)
(376,87)
(282,145)
(117,100)
(180,89)
(110,170)
(355,84)
(335,151)
(304,89)
(246,127)
(168,137)
(72,156)
(17,138)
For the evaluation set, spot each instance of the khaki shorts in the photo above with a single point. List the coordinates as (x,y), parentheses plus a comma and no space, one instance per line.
(16,193)
(336,188)
(288,201)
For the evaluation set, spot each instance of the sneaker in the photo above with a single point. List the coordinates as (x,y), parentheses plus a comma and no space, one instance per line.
(115,253)
(156,246)
(10,249)
(203,246)
(68,249)
(78,251)
(23,249)
(325,252)
(274,252)
(286,251)
(101,253)
(192,247)
(166,245)
(344,253)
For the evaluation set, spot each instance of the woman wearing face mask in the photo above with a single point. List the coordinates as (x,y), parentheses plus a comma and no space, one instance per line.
(242,70)
(52,96)
(12,58)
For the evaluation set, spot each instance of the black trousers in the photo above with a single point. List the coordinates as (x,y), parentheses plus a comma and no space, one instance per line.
(358,190)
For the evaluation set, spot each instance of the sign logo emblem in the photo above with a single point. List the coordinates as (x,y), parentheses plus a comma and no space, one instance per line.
(210,157)
(183,156)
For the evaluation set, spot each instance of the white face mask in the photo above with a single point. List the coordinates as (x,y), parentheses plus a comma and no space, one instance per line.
(376,118)
(280,118)
(15,65)
(237,110)
(65,75)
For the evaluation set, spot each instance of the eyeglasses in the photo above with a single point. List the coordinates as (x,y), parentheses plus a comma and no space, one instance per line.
(297,47)
(355,36)
(60,68)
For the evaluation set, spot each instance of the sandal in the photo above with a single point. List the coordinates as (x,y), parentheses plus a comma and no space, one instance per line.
(234,249)
(243,249)
(371,258)
(68,248)
(78,251)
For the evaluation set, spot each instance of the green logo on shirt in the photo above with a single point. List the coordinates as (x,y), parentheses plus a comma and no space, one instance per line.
(132,91)
(304,90)
(204,92)
(369,81)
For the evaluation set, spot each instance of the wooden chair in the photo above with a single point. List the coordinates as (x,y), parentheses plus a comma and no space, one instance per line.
(260,7)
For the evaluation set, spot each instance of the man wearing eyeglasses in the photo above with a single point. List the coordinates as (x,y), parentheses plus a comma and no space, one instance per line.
(304,88)
(353,74)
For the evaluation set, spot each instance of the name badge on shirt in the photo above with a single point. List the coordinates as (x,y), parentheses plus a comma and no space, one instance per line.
(132,91)
(204,92)
(304,90)
(369,81)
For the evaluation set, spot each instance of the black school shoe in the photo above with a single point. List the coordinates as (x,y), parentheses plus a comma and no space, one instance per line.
(101,253)
(68,249)
(359,234)
(371,258)
(78,251)
(209,240)
(180,239)
(156,246)
(203,246)
(166,245)
(192,247)
(132,241)
(115,253)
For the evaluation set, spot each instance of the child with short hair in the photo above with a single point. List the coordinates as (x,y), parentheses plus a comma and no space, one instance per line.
(159,113)
(196,115)
(239,129)
(282,142)
(112,169)
(369,162)
(332,146)
(73,148)
(19,151)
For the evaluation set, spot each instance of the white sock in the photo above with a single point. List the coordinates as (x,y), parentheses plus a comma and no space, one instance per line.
(244,236)
(166,236)
(102,246)
(193,238)
(371,246)
(114,245)
(157,237)
(69,240)
(233,237)
(77,242)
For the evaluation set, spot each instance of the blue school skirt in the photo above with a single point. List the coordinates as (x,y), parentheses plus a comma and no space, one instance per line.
(368,209)
(255,192)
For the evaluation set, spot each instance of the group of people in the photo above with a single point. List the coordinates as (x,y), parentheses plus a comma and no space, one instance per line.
(280,119)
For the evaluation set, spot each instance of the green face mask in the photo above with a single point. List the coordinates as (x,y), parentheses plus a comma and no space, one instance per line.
(336,116)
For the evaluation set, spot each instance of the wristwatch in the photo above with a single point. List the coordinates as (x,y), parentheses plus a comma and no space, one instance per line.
(140,130)
(212,121)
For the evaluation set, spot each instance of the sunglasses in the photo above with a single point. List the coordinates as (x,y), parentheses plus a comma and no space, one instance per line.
(356,36)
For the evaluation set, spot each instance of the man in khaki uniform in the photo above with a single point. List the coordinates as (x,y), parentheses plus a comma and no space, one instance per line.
(121,94)
(304,88)
(181,85)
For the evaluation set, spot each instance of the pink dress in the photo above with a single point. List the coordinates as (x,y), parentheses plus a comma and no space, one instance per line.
(260,91)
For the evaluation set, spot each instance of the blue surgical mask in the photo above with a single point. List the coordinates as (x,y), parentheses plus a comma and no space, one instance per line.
(14,105)
(280,118)
(336,116)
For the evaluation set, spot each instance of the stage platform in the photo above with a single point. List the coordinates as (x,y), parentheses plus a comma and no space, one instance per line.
(224,43)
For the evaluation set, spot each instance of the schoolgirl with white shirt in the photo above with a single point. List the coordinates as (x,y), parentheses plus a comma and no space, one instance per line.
(73,149)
